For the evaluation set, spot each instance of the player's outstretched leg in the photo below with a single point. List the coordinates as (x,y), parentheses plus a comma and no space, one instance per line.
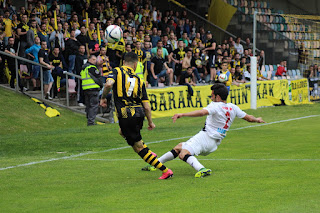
(193,161)
(146,154)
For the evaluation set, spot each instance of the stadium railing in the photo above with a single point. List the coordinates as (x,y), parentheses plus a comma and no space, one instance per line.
(68,76)
(18,58)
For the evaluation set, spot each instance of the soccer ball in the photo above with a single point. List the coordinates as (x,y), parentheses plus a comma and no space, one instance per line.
(222,78)
(113,33)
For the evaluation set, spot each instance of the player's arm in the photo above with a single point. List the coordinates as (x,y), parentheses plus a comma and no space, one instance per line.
(229,81)
(108,87)
(147,108)
(152,71)
(197,113)
(251,118)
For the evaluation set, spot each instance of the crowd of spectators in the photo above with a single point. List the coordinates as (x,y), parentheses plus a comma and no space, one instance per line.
(172,48)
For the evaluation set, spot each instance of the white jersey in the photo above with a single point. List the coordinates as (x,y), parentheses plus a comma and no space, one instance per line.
(220,118)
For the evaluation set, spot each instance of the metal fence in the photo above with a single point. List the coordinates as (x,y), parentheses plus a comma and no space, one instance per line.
(18,58)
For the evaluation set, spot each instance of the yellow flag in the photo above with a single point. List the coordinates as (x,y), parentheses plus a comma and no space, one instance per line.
(98,32)
(55,20)
(87,20)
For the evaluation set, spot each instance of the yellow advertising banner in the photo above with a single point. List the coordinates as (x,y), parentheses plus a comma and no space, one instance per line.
(299,91)
(168,101)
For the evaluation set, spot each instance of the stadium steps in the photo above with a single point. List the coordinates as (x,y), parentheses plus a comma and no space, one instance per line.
(61,101)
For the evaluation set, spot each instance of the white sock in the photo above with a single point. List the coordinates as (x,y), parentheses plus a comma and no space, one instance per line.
(166,157)
(193,161)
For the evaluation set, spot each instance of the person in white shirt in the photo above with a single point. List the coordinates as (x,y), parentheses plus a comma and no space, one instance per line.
(220,116)
(238,46)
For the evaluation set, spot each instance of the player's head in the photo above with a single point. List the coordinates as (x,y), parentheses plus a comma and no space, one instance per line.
(130,60)
(219,92)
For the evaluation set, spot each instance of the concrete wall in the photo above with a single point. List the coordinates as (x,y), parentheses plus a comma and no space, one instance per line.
(297,6)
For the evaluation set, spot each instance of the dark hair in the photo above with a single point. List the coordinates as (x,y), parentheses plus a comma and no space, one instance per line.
(130,57)
(221,90)
(91,56)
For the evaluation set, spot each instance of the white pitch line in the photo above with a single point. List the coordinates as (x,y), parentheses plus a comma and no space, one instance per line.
(125,147)
(252,159)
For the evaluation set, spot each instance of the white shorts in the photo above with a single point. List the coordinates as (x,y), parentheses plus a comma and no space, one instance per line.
(201,144)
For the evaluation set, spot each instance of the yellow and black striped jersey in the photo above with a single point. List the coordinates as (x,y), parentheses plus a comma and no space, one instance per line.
(141,55)
(129,92)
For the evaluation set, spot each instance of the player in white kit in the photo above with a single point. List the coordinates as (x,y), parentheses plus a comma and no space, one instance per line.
(220,116)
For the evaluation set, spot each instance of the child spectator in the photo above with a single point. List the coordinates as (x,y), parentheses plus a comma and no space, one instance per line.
(224,70)
(282,69)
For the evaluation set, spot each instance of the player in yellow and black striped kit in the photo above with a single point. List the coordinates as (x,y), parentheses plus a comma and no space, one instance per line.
(132,105)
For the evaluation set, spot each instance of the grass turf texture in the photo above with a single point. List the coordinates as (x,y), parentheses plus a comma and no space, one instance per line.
(113,182)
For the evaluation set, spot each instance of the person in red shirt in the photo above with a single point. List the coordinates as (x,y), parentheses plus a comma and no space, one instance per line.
(282,69)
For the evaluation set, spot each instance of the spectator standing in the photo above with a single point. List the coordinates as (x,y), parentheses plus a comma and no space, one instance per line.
(172,41)
(2,60)
(303,57)
(248,44)
(8,26)
(33,53)
(43,34)
(91,84)
(47,77)
(83,38)
(56,60)
(238,46)
(72,47)
(154,37)
(179,29)
(81,59)
(210,47)
(178,56)
(56,38)
(91,30)
(103,63)
(32,33)
(22,30)
(262,59)
(94,47)
(12,50)
(141,55)
(147,52)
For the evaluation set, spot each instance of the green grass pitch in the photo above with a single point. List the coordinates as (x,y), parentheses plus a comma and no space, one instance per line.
(270,168)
